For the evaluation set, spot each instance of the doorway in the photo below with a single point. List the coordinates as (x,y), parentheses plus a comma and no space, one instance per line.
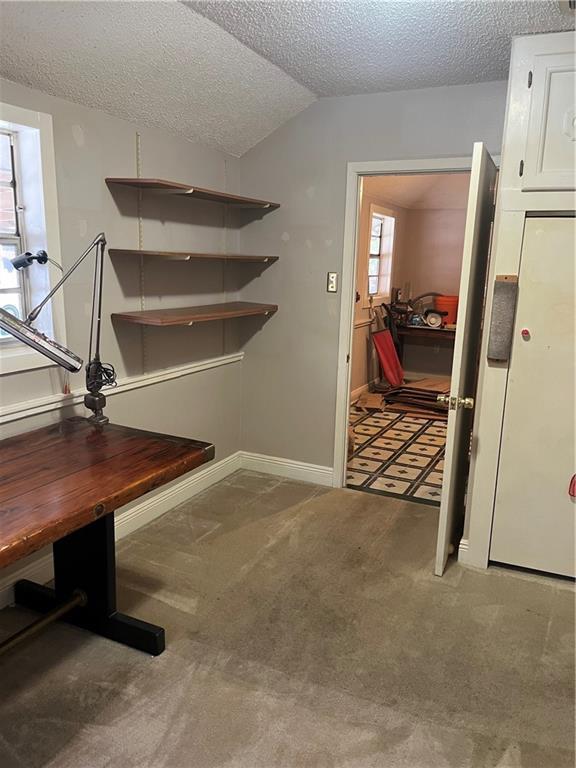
(409,248)
(459,456)
(356,171)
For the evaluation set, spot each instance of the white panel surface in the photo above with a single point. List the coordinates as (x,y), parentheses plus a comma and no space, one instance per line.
(534,516)
(551,141)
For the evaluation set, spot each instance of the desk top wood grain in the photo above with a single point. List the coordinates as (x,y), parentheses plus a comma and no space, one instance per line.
(59,478)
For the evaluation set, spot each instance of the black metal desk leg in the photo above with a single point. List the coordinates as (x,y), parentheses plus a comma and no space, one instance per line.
(85,560)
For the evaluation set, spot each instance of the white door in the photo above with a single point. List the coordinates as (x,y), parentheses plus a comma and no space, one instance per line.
(479,217)
(534,514)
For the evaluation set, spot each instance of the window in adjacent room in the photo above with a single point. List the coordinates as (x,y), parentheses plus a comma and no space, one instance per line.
(28,222)
(381,251)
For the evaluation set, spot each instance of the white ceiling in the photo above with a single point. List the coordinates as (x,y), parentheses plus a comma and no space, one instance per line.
(338,47)
(157,64)
(430,191)
(231,83)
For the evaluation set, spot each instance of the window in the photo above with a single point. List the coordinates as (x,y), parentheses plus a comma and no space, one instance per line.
(12,282)
(380,254)
(28,221)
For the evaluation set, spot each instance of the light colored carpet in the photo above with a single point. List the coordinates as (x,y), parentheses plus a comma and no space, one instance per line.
(304,630)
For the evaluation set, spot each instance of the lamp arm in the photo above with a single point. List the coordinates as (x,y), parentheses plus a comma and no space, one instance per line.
(99,239)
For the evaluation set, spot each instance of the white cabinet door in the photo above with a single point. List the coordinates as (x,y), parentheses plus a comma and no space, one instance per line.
(549,162)
(483,175)
(534,514)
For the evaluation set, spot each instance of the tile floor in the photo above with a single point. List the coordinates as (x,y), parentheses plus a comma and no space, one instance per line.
(398,454)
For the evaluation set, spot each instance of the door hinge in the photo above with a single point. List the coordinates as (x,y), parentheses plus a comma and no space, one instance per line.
(521,168)
(530,79)
(348,357)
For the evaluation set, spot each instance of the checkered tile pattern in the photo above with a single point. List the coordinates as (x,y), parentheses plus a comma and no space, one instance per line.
(397,454)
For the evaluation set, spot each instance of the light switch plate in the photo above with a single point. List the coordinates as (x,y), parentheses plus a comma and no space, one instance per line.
(332,282)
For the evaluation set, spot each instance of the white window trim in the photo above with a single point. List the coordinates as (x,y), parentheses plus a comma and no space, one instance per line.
(19,237)
(377,298)
(18,357)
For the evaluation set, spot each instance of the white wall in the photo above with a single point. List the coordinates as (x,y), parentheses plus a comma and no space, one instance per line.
(431,261)
(89,146)
(288,378)
(290,370)
(432,257)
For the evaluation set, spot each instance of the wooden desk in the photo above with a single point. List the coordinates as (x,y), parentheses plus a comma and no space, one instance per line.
(424,333)
(60,485)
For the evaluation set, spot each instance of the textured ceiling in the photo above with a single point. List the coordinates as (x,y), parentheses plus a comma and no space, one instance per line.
(430,191)
(154,63)
(339,47)
(231,83)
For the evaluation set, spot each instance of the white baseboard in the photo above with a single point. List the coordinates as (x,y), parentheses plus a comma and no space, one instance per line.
(360,390)
(294,470)
(39,570)
(463,551)
(467,556)
(141,513)
(355,394)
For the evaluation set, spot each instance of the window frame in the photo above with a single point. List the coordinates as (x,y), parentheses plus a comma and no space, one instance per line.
(39,227)
(16,238)
(380,296)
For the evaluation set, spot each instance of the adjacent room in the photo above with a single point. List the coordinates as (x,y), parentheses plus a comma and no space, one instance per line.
(408,267)
(287,451)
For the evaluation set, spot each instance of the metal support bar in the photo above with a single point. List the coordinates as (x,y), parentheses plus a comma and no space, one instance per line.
(101,238)
(85,561)
(78,599)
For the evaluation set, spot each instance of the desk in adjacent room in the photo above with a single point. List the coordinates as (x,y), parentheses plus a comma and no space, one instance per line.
(422,333)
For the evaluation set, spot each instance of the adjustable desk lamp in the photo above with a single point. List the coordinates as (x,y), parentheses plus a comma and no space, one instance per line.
(98,374)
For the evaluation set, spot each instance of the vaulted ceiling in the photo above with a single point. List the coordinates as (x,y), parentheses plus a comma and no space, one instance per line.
(340,47)
(227,74)
(157,64)
(430,191)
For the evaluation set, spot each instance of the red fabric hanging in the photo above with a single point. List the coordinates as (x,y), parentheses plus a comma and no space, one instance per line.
(391,367)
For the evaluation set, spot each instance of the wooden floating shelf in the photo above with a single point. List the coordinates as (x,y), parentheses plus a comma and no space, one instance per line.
(191,315)
(189,256)
(176,188)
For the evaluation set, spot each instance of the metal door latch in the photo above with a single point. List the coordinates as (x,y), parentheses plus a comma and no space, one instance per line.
(454,403)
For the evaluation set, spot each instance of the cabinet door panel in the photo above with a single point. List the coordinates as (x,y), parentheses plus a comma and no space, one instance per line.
(551,142)
(534,514)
